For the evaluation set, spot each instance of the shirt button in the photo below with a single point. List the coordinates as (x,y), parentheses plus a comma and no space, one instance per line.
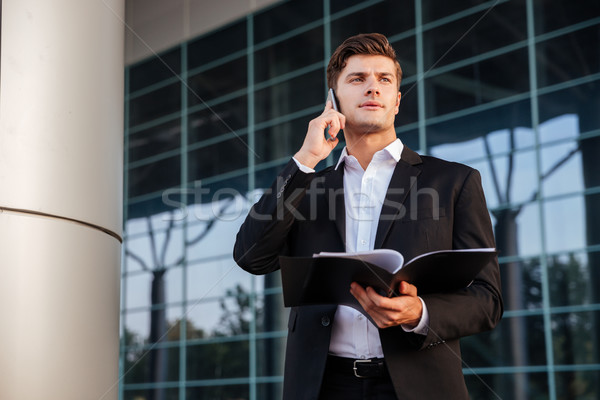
(363,242)
(325,321)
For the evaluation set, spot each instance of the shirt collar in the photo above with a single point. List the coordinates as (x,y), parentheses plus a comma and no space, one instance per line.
(394,149)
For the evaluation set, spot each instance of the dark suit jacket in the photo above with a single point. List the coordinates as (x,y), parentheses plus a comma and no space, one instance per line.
(430,205)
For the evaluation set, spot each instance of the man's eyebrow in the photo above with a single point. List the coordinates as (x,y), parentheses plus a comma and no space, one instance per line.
(362,74)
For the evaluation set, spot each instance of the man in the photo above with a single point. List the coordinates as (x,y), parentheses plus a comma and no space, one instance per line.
(380,194)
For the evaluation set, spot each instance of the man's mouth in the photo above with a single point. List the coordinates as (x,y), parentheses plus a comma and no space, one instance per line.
(371,105)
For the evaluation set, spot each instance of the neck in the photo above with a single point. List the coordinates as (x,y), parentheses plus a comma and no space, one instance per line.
(365,145)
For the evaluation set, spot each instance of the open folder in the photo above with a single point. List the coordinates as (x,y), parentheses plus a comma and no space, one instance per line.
(325,278)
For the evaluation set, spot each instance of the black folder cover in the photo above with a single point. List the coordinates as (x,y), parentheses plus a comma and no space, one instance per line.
(326,280)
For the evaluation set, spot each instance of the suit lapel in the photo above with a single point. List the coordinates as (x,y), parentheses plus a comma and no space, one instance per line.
(334,193)
(403,180)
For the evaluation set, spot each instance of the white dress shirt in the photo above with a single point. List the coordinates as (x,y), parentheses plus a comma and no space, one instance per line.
(353,335)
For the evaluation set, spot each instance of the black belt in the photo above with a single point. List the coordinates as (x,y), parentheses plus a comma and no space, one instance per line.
(372,368)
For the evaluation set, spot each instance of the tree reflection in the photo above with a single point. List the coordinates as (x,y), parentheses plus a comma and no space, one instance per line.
(159,357)
(218,354)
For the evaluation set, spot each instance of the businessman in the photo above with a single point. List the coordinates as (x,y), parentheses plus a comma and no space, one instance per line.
(380,194)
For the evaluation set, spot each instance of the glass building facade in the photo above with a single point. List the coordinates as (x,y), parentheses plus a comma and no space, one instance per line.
(510,87)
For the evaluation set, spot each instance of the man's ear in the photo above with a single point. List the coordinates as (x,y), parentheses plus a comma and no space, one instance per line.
(397,109)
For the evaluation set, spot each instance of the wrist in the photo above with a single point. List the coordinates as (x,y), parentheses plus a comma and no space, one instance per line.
(306,159)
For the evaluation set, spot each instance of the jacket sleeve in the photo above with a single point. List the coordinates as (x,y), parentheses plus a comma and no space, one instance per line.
(478,307)
(262,236)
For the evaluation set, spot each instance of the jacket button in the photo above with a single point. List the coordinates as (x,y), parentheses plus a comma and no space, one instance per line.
(325,321)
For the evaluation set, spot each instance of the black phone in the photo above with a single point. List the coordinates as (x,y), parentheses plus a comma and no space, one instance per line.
(334,101)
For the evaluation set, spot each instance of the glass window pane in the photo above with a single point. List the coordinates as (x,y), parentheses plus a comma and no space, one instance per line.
(577,384)
(556,14)
(218,392)
(155,140)
(483,82)
(573,336)
(285,17)
(517,229)
(269,390)
(565,224)
(210,47)
(219,81)
(209,161)
(228,117)
(292,95)
(561,169)
(158,103)
(387,17)
(164,66)
(521,283)
(436,9)
(154,177)
(289,55)
(567,57)
(501,347)
(580,101)
(475,34)
(270,356)
(466,127)
(571,279)
(218,360)
(507,385)
(273,314)
(280,140)
(409,109)
(214,278)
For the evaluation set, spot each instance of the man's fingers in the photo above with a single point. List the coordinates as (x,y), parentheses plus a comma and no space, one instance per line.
(408,289)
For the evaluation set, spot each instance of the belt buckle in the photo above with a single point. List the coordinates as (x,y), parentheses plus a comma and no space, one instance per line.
(355,368)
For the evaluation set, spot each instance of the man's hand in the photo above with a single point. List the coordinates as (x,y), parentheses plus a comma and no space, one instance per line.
(315,147)
(387,312)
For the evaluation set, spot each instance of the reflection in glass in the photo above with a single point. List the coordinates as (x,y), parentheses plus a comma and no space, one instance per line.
(570,56)
(292,95)
(229,117)
(467,37)
(218,392)
(283,57)
(569,279)
(285,17)
(209,161)
(281,140)
(158,103)
(219,81)
(576,384)
(565,224)
(573,338)
(154,70)
(154,177)
(479,83)
(500,386)
(562,169)
(218,360)
(386,17)
(210,47)
(155,140)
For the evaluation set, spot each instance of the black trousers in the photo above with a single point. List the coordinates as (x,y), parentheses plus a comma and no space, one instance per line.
(342,384)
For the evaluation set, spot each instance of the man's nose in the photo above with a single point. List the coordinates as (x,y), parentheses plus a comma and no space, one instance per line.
(373,89)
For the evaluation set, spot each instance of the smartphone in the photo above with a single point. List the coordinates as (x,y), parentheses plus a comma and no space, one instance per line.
(334,102)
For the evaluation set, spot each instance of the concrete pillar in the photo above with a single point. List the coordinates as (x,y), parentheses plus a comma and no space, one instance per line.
(61,124)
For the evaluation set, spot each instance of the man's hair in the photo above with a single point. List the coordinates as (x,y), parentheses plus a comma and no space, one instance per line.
(374,44)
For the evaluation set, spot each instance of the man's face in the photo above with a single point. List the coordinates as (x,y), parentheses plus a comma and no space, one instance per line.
(367,90)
